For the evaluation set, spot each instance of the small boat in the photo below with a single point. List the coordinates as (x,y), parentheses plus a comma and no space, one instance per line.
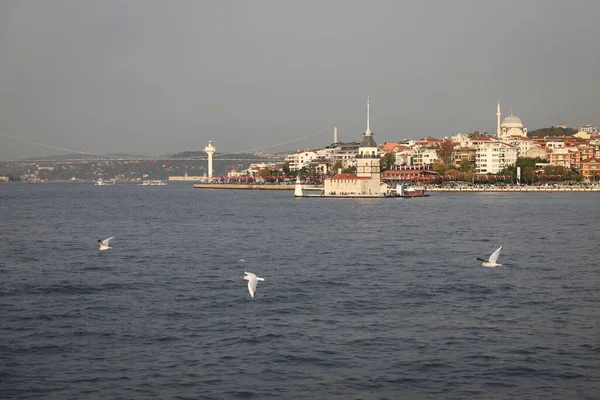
(406,191)
(105,182)
(415,191)
(154,182)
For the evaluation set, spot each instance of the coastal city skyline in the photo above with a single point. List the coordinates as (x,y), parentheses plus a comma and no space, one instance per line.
(162,79)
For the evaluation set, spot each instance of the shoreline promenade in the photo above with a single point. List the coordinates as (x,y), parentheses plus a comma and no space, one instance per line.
(517,189)
(462,189)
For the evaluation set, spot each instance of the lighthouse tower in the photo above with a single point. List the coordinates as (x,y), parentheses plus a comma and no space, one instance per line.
(210,150)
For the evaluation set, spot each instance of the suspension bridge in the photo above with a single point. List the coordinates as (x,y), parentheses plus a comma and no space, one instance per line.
(85,156)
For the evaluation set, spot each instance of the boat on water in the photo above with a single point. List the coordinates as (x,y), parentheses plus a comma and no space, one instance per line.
(406,191)
(105,182)
(153,182)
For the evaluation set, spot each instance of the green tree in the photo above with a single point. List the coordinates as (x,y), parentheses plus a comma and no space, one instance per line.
(526,163)
(528,175)
(264,173)
(336,167)
(455,173)
(286,168)
(445,151)
(440,167)
(552,131)
(465,165)
(349,170)
(387,161)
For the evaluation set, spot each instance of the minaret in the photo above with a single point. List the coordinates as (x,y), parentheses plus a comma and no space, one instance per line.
(498,115)
(368,131)
(210,150)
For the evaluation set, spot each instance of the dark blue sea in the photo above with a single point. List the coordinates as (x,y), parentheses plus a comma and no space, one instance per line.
(362,299)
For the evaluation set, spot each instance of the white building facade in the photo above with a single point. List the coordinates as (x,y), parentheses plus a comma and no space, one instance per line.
(493,156)
(366,182)
(300,159)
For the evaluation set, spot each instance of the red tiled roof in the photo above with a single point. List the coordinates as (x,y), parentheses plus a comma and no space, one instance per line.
(348,177)
(591,160)
(390,146)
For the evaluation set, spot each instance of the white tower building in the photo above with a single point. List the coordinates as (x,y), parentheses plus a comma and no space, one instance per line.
(210,150)
(367,160)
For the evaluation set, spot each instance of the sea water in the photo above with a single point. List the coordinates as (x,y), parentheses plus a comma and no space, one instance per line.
(362,299)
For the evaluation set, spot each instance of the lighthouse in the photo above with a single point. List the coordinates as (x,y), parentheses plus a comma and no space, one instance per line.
(298,189)
(210,150)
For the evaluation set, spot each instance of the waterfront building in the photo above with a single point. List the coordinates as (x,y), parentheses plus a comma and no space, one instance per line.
(366,182)
(345,153)
(425,156)
(492,156)
(590,169)
(404,156)
(408,174)
(522,144)
(468,153)
(566,157)
(300,159)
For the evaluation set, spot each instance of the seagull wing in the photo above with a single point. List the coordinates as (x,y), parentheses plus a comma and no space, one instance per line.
(105,241)
(495,254)
(252,284)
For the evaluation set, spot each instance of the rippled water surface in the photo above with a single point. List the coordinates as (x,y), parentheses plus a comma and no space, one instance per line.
(362,299)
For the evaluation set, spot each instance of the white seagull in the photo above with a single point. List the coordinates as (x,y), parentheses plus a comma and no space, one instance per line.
(491,263)
(252,280)
(104,243)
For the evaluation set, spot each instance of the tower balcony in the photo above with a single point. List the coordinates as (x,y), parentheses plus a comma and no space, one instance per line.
(368,156)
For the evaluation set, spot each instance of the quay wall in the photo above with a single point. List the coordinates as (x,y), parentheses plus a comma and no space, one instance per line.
(242,186)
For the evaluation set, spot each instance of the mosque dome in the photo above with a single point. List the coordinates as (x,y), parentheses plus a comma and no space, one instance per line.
(512,121)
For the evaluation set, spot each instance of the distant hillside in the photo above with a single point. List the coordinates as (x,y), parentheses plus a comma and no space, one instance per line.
(552,131)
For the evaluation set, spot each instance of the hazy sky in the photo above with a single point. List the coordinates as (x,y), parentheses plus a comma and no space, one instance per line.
(156,77)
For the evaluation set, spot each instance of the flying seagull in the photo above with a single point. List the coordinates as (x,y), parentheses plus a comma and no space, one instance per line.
(491,263)
(104,243)
(252,281)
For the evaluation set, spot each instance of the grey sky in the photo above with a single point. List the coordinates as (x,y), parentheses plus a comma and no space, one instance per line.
(156,77)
